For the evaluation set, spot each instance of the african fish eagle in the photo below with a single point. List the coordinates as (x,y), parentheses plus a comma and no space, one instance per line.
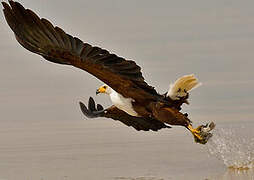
(135,103)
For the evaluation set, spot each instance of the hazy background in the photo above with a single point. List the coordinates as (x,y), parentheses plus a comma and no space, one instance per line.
(43,134)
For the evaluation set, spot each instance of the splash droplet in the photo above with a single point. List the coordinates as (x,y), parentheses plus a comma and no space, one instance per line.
(235,151)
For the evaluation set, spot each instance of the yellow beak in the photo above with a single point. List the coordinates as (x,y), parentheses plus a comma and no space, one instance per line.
(100,90)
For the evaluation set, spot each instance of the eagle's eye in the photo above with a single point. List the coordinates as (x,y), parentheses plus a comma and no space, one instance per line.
(105,87)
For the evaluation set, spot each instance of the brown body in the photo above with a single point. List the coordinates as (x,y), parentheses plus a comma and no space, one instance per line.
(164,110)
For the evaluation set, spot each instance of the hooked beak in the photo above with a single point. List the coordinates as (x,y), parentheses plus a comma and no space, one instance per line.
(98,91)
(101,90)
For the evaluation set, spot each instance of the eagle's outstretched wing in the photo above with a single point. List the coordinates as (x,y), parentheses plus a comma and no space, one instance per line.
(41,37)
(139,123)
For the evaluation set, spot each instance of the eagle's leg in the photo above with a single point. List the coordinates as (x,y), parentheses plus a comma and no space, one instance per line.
(195,132)
(173,117)
(202,133)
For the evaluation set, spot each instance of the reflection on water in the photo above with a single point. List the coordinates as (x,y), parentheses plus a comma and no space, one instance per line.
(235,174)
(235,151)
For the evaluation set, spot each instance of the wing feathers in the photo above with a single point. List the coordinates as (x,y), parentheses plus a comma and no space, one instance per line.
(138,123)
(41,37)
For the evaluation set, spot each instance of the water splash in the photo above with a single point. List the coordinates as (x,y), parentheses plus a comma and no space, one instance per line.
(235,151)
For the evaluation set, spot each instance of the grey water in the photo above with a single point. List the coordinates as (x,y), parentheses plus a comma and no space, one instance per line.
(104,149)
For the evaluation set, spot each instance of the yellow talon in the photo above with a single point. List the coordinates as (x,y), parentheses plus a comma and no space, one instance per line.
(198,136)
(195,132)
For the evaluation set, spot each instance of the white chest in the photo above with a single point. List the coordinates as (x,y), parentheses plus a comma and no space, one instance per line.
(125,104)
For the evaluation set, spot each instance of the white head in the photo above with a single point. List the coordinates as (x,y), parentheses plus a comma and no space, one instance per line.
(104,89)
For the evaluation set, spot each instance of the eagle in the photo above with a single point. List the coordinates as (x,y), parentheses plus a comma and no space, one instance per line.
(134,102)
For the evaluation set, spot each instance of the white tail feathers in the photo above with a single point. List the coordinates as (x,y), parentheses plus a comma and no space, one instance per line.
(182,86)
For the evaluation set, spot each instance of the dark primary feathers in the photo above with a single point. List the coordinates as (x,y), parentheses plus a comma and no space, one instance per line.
(139,123)
(41,37)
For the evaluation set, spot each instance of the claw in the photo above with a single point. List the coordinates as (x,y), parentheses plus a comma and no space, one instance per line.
(202,133)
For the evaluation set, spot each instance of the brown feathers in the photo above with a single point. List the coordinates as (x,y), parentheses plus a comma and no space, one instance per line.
(41,37)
